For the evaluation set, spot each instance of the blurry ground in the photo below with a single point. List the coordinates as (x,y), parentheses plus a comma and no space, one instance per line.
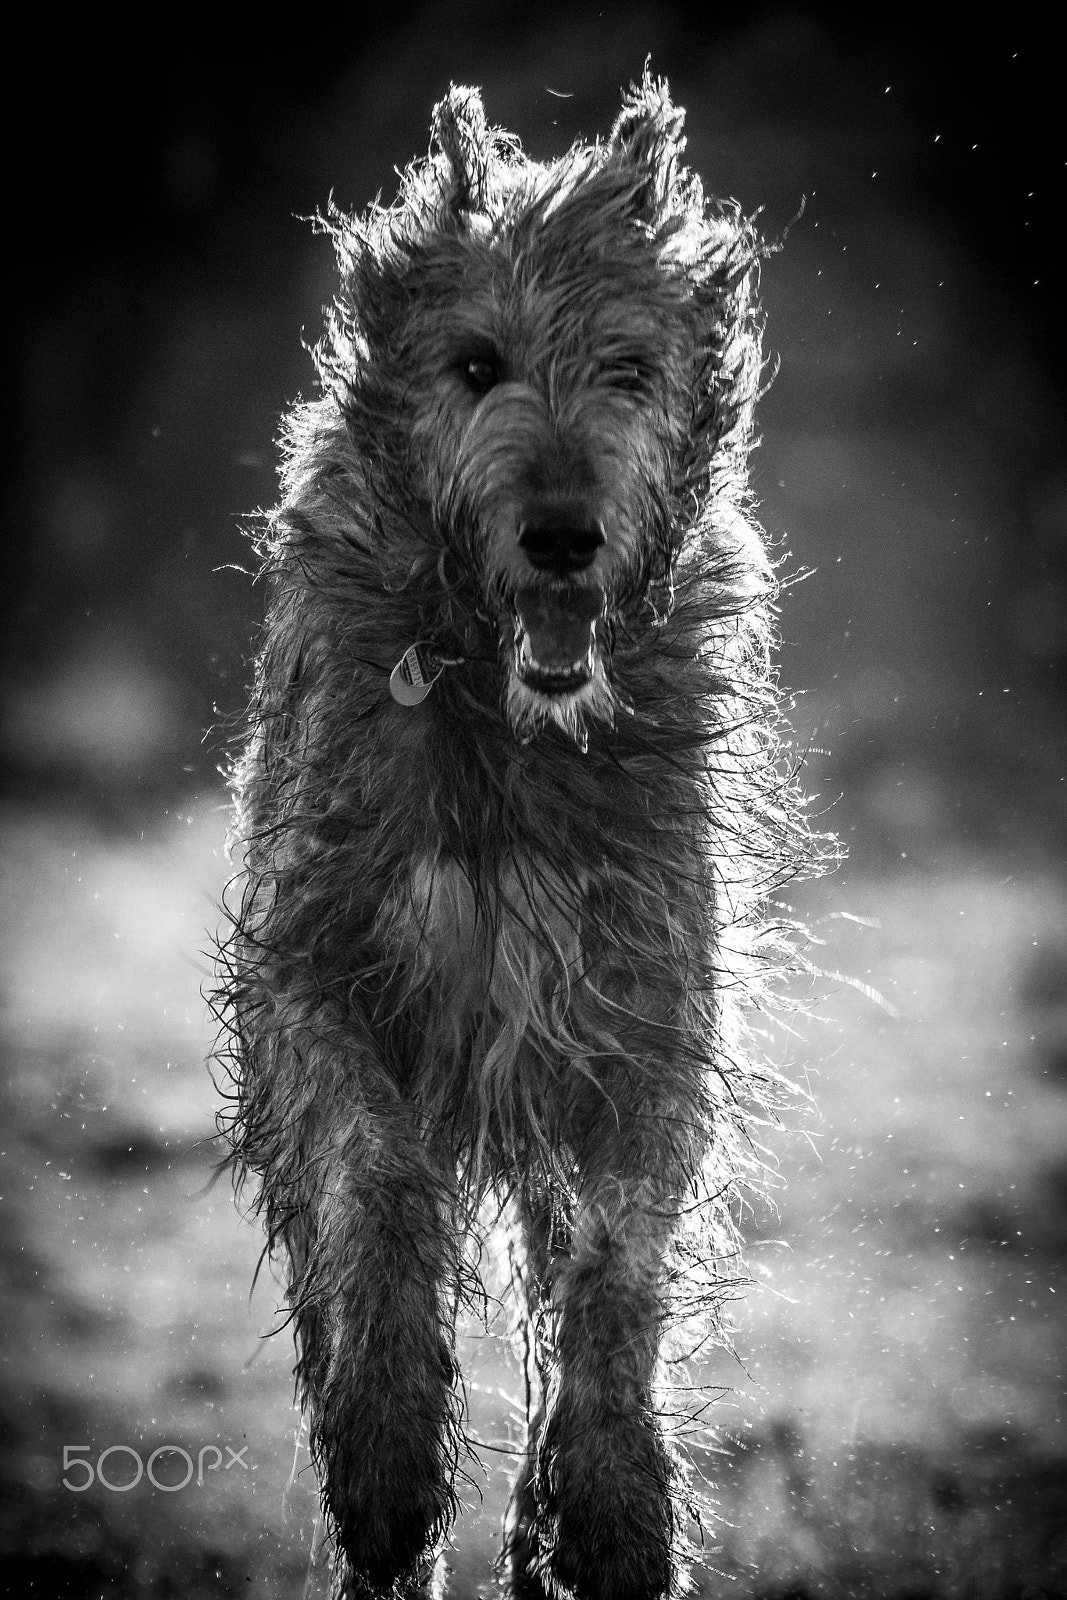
(893,1425)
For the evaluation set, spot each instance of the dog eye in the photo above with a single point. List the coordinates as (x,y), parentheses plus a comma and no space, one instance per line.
(480,373)
(632,379)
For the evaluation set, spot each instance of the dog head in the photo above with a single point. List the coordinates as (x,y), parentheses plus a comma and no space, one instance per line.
(550,368)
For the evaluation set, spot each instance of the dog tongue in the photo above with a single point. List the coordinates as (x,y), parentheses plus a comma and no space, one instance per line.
(558,624)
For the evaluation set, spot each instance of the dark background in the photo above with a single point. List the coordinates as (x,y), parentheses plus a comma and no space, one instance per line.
(913,456)
(914,449)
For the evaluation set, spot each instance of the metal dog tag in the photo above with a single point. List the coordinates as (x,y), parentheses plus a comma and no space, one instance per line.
(413,676)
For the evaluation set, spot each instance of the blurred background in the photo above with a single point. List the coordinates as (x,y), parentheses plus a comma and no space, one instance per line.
(892,1423)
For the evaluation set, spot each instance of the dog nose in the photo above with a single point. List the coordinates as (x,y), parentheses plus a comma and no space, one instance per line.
(560,544)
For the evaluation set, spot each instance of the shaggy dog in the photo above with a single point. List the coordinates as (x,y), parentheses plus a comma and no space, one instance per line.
(510,807)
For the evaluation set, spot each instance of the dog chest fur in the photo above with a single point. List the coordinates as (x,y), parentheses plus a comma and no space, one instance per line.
(478,955)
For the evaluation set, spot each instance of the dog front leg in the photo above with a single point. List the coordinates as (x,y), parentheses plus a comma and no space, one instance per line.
(607,1517)
(381,1280)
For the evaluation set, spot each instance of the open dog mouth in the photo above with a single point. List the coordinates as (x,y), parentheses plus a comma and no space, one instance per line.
(555,647)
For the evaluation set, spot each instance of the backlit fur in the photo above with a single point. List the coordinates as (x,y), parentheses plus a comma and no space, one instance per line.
(491,947)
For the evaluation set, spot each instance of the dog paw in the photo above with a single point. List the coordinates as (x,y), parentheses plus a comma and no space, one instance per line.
(606,1524)
(428,1582)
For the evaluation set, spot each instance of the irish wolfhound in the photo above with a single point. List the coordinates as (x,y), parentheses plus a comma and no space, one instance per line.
(510,807)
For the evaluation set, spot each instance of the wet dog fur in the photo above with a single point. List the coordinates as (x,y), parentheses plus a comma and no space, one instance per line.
(509,809)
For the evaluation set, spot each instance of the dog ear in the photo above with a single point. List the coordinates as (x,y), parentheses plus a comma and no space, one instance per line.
(648,138)
(462,136)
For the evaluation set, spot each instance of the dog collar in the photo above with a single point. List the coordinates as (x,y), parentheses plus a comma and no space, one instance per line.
(417,671)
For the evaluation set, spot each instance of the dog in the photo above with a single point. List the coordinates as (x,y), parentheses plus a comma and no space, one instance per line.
(509,809)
